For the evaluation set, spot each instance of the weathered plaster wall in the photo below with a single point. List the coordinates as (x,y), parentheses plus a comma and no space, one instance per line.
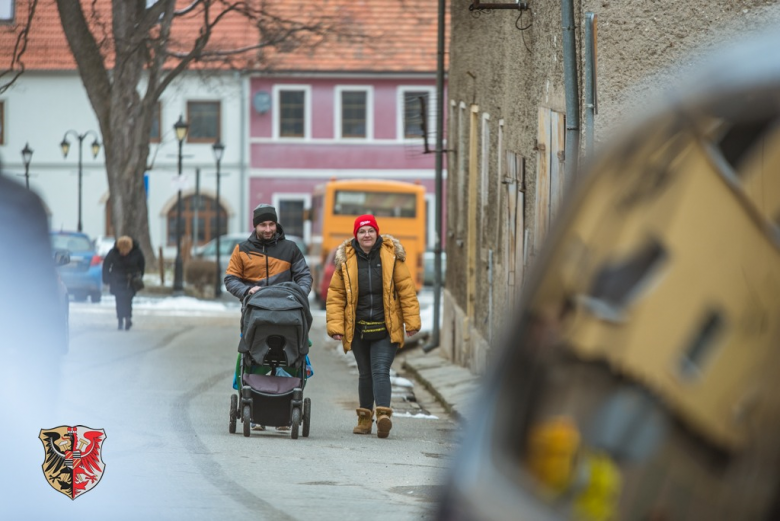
(644,48)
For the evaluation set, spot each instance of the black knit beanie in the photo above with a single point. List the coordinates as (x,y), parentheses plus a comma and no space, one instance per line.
(264,212)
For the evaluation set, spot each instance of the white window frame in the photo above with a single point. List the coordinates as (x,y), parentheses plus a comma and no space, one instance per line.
(278,197)
(7,11)
(461,161)
(276,108)
(337,112)
(400,106)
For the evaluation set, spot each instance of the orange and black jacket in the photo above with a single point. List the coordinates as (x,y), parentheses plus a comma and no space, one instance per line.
(257,262)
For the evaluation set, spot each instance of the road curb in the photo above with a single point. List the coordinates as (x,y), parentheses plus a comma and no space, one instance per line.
(452,385)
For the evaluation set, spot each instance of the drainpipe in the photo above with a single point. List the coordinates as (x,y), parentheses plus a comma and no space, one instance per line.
(434,340)
(572,90)
(590,81)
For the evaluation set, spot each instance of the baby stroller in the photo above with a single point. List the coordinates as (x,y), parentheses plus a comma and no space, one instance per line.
(275,324)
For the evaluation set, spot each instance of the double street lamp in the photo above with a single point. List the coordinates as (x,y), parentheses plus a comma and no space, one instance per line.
(218,148)
(65,145)
(27,153)
(181,127)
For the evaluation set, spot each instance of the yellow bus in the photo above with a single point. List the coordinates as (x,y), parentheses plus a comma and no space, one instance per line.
(398,206)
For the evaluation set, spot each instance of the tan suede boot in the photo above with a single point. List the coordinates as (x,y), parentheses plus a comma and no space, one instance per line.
(365,421)
(383,421)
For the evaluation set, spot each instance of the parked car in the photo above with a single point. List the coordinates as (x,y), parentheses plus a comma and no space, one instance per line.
(103,245)
(83,274)
(428,267)
(228,242)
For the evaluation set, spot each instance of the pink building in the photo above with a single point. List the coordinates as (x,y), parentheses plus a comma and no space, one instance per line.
(346,110)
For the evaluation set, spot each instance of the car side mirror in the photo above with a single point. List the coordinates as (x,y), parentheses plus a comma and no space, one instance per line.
(61,257)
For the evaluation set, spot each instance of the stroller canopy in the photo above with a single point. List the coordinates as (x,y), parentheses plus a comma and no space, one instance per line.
(276,318)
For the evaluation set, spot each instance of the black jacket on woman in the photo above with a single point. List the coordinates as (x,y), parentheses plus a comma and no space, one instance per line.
(370,304)
(118,269)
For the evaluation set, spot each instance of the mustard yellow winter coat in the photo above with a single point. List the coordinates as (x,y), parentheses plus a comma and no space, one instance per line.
(399,294)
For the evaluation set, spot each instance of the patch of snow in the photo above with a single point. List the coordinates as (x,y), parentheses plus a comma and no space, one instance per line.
(400,382)
(417,416)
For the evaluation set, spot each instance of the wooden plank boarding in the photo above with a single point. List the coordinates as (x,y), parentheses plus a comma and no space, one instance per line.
(542,200)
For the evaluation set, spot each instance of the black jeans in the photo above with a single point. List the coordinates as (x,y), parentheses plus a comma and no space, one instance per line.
(374,359)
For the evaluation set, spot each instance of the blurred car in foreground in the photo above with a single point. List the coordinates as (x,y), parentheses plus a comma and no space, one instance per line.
(62,258)
(228,242)
(639,379)
(83,274)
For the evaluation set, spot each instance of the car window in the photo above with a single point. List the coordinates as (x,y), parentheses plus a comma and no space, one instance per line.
(70,243)
(227,247)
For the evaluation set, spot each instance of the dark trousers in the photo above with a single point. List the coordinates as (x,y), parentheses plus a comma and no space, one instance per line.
(374,360)
(124,304)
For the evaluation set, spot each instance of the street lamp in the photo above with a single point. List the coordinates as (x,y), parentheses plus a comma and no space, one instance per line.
(27,153)
(218,148)
(65,145)
(181,127)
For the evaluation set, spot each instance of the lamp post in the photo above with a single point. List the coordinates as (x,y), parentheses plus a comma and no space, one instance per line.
(27,153)
(181,127)
(218,148)
(65,145)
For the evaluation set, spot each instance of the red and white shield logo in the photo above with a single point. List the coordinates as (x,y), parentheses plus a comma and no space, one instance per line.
(73,461)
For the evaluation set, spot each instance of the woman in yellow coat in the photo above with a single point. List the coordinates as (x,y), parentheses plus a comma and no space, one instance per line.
(370,299)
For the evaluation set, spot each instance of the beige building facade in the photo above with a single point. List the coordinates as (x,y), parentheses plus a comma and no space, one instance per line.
(507,131)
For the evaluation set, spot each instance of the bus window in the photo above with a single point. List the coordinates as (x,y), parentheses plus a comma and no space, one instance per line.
(380,204)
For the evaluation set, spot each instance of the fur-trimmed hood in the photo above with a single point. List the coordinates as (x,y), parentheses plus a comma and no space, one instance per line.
(388,241)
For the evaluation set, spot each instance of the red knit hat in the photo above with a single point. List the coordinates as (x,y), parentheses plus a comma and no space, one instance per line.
(365,220)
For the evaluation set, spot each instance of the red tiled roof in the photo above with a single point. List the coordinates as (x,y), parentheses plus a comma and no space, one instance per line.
(373,36)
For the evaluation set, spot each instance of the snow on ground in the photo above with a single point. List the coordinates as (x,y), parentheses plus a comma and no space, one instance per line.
(175,306)
(397,381)
(420,416)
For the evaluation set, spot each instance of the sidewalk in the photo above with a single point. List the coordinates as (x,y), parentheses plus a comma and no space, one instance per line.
(454,386)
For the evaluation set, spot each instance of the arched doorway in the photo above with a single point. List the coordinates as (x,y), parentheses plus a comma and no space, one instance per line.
(197,217)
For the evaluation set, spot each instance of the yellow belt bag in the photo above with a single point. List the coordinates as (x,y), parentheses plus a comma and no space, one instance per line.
(371,330)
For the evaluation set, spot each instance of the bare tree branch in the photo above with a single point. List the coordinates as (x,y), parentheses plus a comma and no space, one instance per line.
(87,53)
(189,8)
(16,67)
(126,66)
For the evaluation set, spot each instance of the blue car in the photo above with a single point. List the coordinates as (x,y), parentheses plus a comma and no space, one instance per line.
(83,275)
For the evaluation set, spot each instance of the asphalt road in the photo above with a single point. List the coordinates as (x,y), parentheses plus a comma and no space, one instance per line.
(161,392)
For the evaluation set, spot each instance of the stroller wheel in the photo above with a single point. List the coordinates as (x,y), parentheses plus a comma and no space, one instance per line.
(233,413)
(296,422)
(306,417)
(246,418)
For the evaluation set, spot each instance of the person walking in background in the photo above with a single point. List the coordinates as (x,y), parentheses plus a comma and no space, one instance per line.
(370,299)
(123,268)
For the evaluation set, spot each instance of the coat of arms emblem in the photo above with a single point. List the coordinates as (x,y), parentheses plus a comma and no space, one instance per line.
(73,463)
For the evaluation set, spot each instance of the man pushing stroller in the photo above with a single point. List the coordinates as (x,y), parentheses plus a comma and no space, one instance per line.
(265,259)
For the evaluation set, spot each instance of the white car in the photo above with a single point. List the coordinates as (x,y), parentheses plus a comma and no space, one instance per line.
(103,245)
